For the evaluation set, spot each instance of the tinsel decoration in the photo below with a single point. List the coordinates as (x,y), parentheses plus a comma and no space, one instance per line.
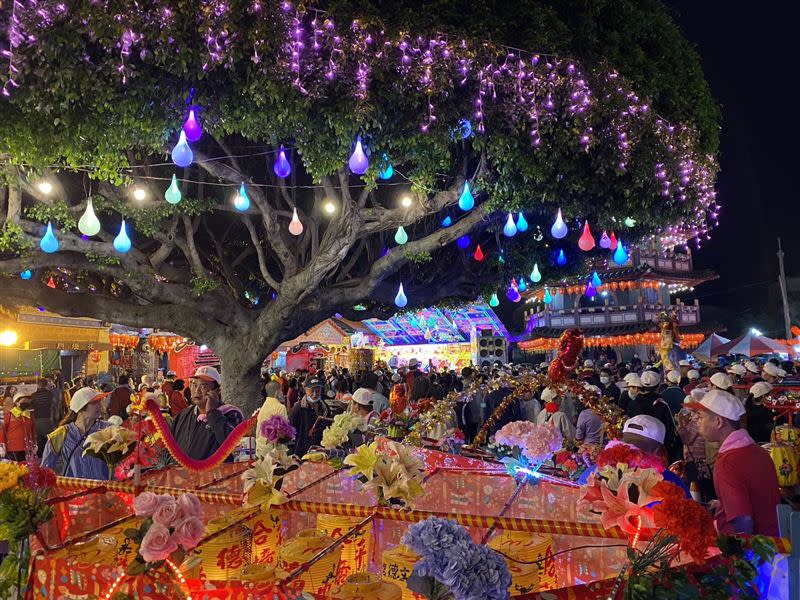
(569,348)
(438,414)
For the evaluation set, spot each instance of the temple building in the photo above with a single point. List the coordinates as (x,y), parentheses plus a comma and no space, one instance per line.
(618,309)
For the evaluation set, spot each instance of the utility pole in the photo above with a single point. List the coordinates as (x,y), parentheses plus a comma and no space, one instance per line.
(784,297)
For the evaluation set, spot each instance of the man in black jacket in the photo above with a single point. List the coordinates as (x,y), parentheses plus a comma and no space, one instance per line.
(649,402)
(310,416)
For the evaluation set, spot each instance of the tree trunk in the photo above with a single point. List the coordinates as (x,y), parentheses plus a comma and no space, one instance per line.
(240,368)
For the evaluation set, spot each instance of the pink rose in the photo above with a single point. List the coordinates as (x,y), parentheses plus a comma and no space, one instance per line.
(146,503)
(190,505)
(157,544)
(189,533)
(168,513)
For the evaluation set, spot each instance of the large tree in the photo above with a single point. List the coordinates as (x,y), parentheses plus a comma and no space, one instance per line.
(97,93)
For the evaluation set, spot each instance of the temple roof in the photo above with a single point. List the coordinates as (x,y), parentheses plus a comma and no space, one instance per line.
(623,329)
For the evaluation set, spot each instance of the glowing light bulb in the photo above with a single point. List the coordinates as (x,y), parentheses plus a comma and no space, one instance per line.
(464,128)
(139,194)
(387,170)
(463,242)
(591,292)
(493,301)
(548,297)
(630,222)
(191,127)
(466,201)
(400,299)
(122,243)
(561,260)
(509,229)
(295,226)
(26,274)
(358,160)
(586,241)
(605,241)
(241,201)
(182,155)
(620,256)
(478,255)
(88,223)
(173,193)
(512,293)
(559,228)
(281,167)
(406,201)
(522,285)
(447,221)
(536,276)
(45,187)
(596,280)
(49,243)
(522,224)
(401,237)
(329,207)
(613,240)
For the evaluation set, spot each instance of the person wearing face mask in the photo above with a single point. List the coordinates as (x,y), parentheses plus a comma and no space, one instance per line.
(63,451)
(649,402)
(633,385)
(304,416)
(608,388)
(673,395)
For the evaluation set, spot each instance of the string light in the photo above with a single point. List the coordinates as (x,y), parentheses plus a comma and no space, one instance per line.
(88,224)
(561,259)
(406,201)
(122,243)
(478,255)
(329,207)
(281,167)
(586,241)
(139,194)
(241,201)
(536,276)
(559,228)
(358,163)
(191,127)
(605,241)
(463,242)
(522,224)
(447,221)
(493,301)
(295,226)
(510,229)
(26,274)
(620,256)
(173,193)
(182,155)
(45,187)
(387,170)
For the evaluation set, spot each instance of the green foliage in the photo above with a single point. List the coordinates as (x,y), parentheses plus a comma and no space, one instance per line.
(418,257)
(13,240)
(201,284)
(103,259)
(59,213)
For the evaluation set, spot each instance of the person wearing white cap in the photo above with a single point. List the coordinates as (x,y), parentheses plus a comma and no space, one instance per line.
(694,448)
(631,387)
(772,373)
(362,405)
(63,451)
(648,434)
(694,380)
(760,419)
(736,373)
(684,366)
(744,476)
(553,415)
(201,428)
(673,394)
(753,372)
(589,429)
(721,382)
(649,402)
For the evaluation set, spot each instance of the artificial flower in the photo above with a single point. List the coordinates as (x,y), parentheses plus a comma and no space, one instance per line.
(189,532)
(157,543)
(407,458)
(260,482)
(338,432)
(278,429)
(168,513)
(146,503)
(189,505)
(362,460)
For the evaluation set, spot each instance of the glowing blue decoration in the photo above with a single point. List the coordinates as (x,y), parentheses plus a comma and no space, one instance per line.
(182,155)
(548,297)
(630,222)
(387,171)
(358,160)
(512,293)
(463,242)
(596,280)
(466,201)
(400,300)
(447,221)
(559,228)
(241,201)
(26,274)
(122,243)
(401,237)
(591,292)
(522,224)
(620,256)
(536,276)
(191,127)
(561,260)
(493,301)
(465,128)
(49,243)
(522,285)
(281,167)
(509,229)
(173,193)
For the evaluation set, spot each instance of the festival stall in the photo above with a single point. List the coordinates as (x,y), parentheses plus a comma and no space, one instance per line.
(326,345)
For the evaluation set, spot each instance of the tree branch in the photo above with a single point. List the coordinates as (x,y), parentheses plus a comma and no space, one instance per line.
(262,263)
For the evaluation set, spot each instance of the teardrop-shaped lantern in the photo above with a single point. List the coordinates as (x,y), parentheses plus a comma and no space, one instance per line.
(241,201)
(400,299)
(548,297)
(605,241)
(561,260)
(447,221)
(122,243)
(613,241)
(466,201)
(358,160)
(512,293)
(26,274)
(400,236)
(387,170)
(463,242)
(478,255)
(173,193)
(620,256)
(536,276)
(522,224)
(295,226)
(510,229)
(493,301)
(182,155)
(586,241)
(590,292)
(522,285)
(596,282)
(559,228)
(51,283)
(88,223)
(281,167)
(49,243)
(191,127)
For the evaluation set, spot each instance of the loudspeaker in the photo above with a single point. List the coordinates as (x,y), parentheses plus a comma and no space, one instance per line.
(491,350)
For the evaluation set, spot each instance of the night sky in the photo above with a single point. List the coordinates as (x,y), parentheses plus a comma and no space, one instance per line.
(749,56)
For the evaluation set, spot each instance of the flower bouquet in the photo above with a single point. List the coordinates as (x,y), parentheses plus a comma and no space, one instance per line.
(170,530)
(111,445)
(262,483)
(151,453)
(395,475)
(524,446)
(338,433)
(452,566)
(277,430)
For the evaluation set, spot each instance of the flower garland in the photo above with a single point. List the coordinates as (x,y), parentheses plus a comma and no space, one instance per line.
(206,464)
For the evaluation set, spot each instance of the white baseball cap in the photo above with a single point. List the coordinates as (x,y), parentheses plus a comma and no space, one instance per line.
(413,363)
(362,396)
(588,363)
(207,374)
(84,396)
(693,374)
(720,403)
(751,366)
(684,363)
(20,396)
(548,394)
(721,380)
(773,370)
(593,388)
(650,379)
(674,376)
(762,388)
(632,380)
(646,426)
(738,370)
